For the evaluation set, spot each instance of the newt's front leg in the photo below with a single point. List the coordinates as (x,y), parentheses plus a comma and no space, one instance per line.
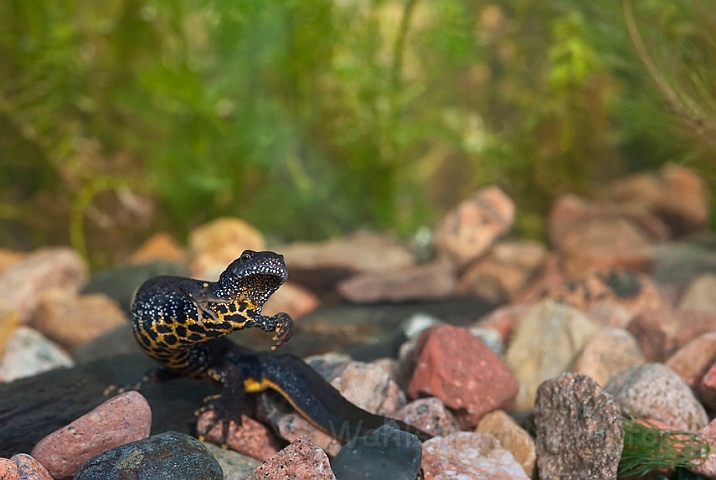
(228,406)
(198,296)
(280,323)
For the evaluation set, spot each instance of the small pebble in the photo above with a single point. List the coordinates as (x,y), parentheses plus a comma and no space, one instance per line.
(512,437)
(469,456)
(429,415)
(232,463)
(253,439)
(28,353)
(301,460)
(29,468)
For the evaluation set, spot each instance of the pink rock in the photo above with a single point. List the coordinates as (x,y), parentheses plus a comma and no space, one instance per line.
(429,281)
(302,460)
(655,391)
(504,271)
(609,352)
(469,230)
(292,426)
(429,415)
(708,469)
(253,439)
(678,195)
(319,266)
(369,386)
(8,470)
(463,372)
(73,320)
(22,284)
(30,468)
(692,360)
(469,456)
(593,236)
(292,299)
(160,246)
(122,419)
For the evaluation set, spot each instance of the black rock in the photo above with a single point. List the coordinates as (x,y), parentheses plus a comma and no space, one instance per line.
(385,453)
(168,456)
(31,408)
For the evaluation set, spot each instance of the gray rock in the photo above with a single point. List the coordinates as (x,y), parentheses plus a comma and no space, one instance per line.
(28,353)
(579,429)
(232,463)
(168,456)
(385,453)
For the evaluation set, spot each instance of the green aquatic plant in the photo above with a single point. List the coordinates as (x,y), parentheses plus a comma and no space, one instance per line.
(648,447)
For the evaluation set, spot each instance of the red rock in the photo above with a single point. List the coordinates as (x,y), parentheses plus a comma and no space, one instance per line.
(302,460)
(591,236)
(429,281)
(706,390)
(292,426)
(678,196)
(512,437)
(8,470)
(29,468)
(504,271)
(160,246)
(609,352)
(318,266)
(656,392)
(634,292)
(216,244)
(122,419)
(469,230)
(22,284)
(429,415)
(72,320)
(693,360)
(469,456)
(292,299)
(463,372)
(253,439)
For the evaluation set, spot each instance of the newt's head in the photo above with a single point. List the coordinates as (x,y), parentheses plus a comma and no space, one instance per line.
(255,274)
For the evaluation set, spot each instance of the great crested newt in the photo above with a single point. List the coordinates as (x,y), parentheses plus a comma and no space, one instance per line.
(181,323)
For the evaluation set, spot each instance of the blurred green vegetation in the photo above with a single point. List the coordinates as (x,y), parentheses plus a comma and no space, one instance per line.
(310,118)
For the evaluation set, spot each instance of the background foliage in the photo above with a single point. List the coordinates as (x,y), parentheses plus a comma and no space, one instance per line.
(309,118)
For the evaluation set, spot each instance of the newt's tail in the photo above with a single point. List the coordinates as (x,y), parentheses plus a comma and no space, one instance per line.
(313,396)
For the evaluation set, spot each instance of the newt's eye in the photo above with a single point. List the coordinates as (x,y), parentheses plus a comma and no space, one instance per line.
(247,255)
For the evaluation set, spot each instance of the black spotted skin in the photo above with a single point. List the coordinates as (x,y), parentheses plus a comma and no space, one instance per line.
(175,317)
